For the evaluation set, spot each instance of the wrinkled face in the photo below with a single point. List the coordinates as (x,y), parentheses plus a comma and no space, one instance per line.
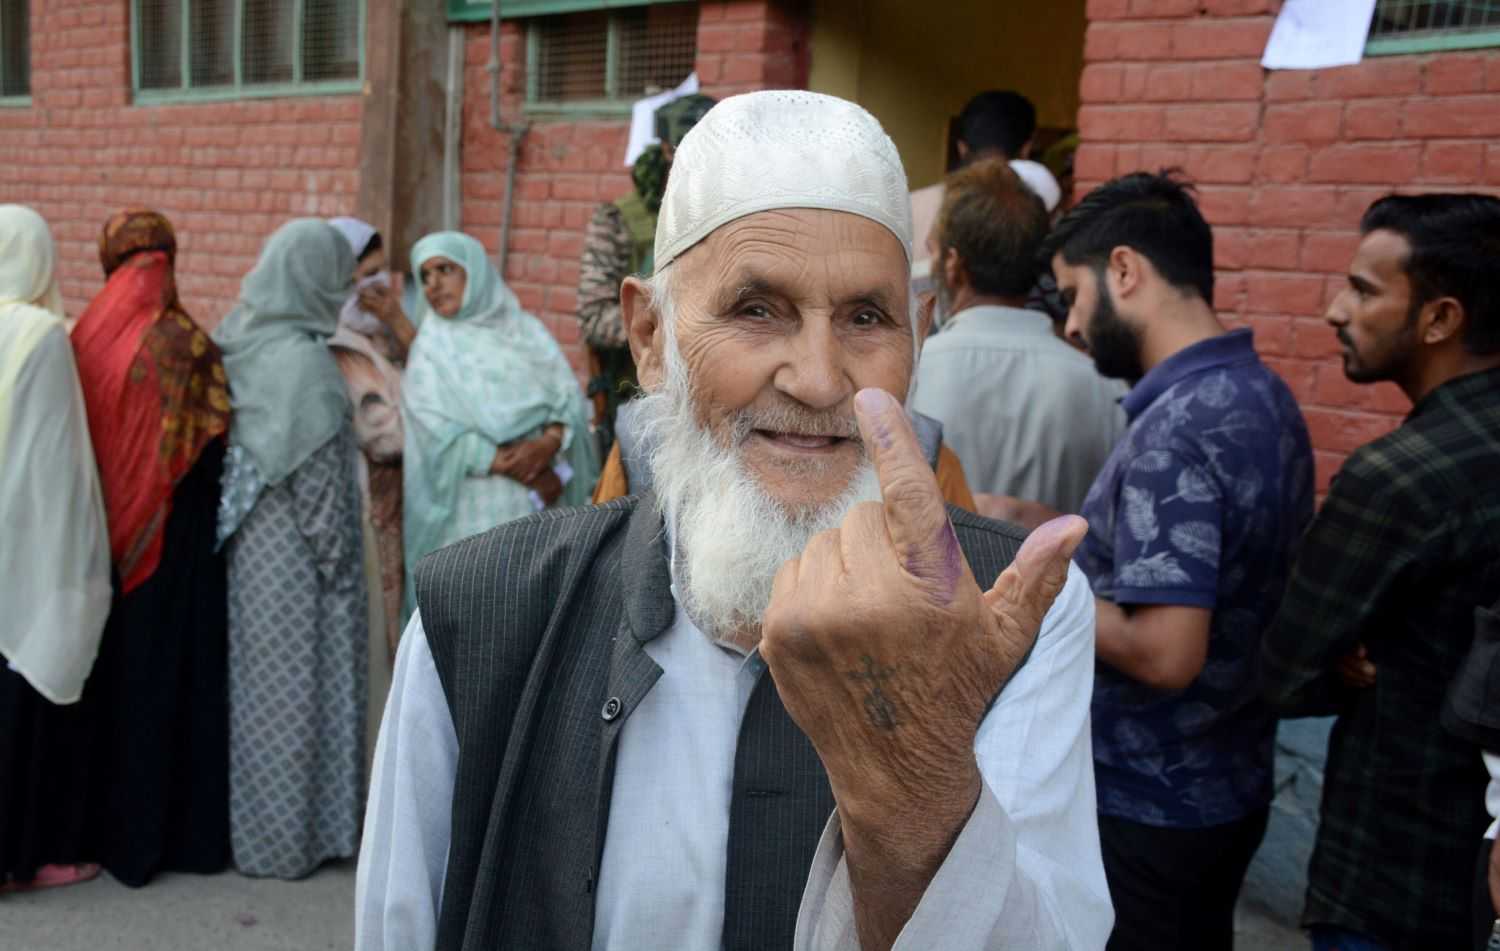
(370,265)
(781,317)
(1095,324)
(1375,316)
(443,281)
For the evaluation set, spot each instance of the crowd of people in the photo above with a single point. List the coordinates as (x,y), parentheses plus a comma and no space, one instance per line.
(206,543)
(627,725)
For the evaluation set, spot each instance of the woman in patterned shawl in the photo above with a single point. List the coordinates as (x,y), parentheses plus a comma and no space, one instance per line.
(298,624)
(495,421)
(158,410)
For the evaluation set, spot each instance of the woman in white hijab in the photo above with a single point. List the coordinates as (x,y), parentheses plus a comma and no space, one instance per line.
(54,569)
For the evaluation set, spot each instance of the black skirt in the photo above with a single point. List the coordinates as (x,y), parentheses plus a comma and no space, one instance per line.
(160,797)
(45,773)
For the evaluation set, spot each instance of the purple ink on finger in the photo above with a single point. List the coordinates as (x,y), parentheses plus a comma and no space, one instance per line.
(942,564)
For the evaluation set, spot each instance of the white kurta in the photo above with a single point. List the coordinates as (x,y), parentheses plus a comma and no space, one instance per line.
(1025,873)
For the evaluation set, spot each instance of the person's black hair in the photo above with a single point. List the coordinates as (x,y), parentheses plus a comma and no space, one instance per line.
(997,119)
(996,223)
(1455,252)
(1154,215)
(374,244)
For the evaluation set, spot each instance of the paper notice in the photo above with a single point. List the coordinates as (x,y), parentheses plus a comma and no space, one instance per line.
(1315,34)
(643,114)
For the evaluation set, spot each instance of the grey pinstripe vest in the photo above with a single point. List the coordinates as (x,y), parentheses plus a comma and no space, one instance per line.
(537,628)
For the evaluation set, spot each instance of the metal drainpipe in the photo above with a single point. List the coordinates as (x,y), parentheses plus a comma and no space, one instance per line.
(516,133)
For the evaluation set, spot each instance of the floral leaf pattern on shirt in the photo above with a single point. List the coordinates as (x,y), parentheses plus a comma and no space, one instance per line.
(1140,514)
(1201,505)
(1198,540)
(1161,568)
(1193,485)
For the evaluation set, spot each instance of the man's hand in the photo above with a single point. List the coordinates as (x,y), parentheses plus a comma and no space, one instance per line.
(1355,669)
(887,654)
(1008,508)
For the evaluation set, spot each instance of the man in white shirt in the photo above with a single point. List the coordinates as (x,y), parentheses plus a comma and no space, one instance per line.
(1027,415)
(583,748)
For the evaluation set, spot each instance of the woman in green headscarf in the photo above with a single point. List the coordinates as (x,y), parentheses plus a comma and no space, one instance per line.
(290,513)
(495,421)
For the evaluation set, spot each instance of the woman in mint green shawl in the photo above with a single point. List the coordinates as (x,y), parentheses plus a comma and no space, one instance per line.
(496,426)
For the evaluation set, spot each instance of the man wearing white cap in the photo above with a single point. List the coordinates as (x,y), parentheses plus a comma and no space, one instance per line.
(783,697)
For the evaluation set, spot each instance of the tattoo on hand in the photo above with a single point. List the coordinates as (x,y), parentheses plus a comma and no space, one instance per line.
(878,707)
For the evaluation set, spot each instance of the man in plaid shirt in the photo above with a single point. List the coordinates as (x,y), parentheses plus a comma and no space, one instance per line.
(1379,611)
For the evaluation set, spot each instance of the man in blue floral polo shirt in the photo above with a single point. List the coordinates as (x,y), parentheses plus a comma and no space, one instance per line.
(1192,527)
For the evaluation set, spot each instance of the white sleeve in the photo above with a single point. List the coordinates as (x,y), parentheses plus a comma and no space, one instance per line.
(403,858)
(1025,871)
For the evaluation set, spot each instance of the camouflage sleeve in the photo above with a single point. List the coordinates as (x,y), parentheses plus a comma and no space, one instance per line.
(604,265)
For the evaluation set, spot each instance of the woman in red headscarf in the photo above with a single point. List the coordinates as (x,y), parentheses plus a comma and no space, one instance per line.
(158,409)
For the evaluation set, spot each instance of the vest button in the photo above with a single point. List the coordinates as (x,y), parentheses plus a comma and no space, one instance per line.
(611,708)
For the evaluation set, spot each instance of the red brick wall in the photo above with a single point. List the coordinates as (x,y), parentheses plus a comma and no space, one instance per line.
(225,173)
(568,167)
(1286,163)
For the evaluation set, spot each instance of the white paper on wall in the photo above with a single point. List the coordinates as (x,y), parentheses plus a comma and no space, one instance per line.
(1315,34)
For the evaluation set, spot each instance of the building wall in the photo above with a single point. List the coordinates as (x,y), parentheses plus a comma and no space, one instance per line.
(225,173)
(1286,162)
(568,166)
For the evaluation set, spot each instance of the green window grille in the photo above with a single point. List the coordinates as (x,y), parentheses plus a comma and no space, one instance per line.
(233,49)
(603,60)
(1418,26)
(15,52)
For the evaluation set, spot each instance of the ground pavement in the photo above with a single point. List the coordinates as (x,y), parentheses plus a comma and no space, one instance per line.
(232,913)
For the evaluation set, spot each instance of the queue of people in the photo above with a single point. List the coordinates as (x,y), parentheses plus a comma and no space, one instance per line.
(206,606)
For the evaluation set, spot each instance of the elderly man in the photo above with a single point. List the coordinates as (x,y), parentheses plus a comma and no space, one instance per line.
(625,727)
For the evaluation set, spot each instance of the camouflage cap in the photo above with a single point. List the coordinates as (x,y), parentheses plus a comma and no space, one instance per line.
(678,116)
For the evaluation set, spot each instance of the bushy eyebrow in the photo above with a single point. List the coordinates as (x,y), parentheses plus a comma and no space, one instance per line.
(746,287)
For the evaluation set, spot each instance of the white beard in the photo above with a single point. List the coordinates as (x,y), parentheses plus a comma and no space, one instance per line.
(730,535)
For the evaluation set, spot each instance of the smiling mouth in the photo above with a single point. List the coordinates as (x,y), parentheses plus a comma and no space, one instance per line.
(801,442)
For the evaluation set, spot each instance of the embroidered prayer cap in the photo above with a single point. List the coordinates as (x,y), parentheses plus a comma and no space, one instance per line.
(781,149)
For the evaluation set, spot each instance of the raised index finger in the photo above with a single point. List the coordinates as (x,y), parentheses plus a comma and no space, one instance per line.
(915,516)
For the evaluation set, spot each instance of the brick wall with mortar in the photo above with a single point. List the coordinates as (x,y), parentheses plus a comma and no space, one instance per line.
(569,166)
(1286,163)
(225,173)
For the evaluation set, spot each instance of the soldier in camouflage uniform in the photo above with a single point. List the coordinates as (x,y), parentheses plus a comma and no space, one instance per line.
(618,244)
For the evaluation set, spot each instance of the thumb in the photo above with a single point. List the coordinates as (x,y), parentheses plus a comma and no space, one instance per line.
(1025,590)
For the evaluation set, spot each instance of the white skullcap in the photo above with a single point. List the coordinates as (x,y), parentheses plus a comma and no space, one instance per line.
(781,149)
(1040,180)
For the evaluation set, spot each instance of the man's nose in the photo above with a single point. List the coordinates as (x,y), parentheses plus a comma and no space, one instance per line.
(1073,328)
(1337,313)
(815,370)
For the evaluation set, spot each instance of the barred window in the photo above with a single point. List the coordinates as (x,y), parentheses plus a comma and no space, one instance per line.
(15,49)
(1414,26)
(605,59)
(196,49)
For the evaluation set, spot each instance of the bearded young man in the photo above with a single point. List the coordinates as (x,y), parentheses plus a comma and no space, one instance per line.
(625,727)
(1192,525)
(1380,610)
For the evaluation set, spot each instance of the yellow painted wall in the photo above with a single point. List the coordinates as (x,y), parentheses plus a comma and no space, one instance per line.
(914,63)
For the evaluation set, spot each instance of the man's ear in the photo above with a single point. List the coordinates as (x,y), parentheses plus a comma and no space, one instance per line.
(642,330)
(1126,272)
(954,274)
(1442,320)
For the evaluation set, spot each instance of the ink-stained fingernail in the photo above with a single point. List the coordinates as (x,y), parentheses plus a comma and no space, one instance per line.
(873,400)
